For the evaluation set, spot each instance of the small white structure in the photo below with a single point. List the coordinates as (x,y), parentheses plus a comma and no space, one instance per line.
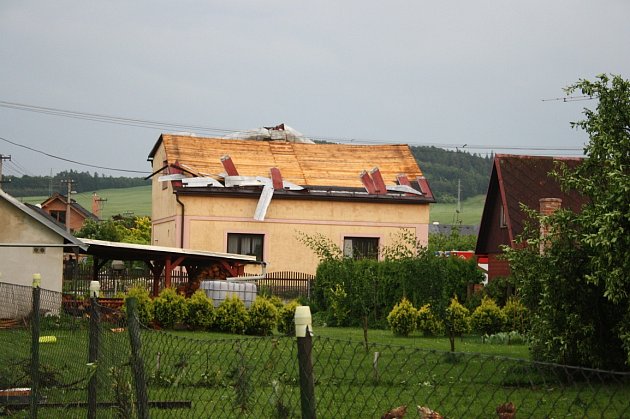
(220,290)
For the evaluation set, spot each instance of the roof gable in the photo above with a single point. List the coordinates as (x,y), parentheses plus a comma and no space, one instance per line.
(78,208)
(303,164)
(42,219)
(517,180)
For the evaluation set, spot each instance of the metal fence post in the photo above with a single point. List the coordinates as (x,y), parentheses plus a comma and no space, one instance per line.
(303,332)
(137,364)
(37,280)
(93,351)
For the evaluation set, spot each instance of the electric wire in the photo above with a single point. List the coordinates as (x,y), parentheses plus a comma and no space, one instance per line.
(142,123)
(72,161)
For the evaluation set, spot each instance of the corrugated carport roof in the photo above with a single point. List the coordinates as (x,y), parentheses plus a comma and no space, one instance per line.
(129,251)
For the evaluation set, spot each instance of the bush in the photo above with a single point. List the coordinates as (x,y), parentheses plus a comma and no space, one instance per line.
(286,321)
(505,338)
(487,319)
(169,308)
(402,318)
(263,317)
(500,289)
(200,312)
(373,287)
(145,304)
(516,316)
(456,321)
(427,323)
(231,315)
(339,304)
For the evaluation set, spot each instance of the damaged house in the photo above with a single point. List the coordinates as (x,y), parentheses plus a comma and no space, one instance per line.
(256,197)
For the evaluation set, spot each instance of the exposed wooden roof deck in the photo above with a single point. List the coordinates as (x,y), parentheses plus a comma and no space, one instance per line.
(303,164)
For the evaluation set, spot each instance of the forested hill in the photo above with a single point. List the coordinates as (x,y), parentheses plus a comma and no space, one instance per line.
(83,182)
(443,169)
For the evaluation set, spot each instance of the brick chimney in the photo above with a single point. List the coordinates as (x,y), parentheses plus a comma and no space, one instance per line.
(547,207)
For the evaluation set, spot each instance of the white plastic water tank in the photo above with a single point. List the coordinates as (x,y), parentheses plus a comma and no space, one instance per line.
(220,290)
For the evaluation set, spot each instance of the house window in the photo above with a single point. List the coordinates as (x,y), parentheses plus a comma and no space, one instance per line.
(246,244)
(59,216)
(502,218)
(360,247)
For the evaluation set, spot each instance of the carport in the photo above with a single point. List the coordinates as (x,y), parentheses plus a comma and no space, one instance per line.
(162,260)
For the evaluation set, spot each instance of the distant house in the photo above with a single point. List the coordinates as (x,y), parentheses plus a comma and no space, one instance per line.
(57,207)
(517,180)
(256,197)
(30,243)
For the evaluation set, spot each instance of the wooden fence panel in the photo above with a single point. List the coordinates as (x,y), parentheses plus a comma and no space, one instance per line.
(286,285)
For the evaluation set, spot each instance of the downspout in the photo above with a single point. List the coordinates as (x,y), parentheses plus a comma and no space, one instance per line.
(181,233)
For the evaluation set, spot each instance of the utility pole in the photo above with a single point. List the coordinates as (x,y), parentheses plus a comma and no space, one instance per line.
(459,195)
(2,159)
(69,183)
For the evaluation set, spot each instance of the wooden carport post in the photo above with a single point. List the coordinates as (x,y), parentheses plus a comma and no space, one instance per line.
(156,270)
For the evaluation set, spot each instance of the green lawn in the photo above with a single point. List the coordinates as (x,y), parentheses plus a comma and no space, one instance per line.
(136,200)
(236,376)
(470,213)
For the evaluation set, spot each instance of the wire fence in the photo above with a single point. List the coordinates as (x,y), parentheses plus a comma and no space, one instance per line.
(91,363)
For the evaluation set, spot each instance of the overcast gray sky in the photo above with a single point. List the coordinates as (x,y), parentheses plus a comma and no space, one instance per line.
(417,72)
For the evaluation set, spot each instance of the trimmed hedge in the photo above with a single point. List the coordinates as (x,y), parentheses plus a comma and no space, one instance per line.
(372,288)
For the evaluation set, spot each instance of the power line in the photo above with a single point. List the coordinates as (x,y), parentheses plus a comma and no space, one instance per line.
(73,161)
(570,98)
(142,123)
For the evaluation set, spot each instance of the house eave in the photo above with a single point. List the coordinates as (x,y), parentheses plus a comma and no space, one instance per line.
(312,193)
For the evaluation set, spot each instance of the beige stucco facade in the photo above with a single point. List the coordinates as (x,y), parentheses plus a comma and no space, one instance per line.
(18,264)
(202,219)
(207,221)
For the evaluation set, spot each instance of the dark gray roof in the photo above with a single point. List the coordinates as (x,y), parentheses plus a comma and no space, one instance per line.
(447,229)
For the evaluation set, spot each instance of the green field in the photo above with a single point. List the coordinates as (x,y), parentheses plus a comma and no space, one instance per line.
(470,212)
(136,201)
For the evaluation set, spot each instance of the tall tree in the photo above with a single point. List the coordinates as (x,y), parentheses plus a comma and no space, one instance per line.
(578,287)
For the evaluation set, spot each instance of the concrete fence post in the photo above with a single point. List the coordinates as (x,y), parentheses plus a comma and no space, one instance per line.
(37,281)
(304,332)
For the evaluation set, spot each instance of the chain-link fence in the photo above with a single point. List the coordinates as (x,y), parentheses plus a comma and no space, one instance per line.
(137,371)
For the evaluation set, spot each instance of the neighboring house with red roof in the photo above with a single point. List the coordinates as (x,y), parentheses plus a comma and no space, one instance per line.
(517,180)
(57,207)
(256,197)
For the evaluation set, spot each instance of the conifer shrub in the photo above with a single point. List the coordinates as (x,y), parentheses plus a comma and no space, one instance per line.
(232,316)
(286,321)
(200,312)
(402,318)
(427,322)
(145,304)
(487,319)
(456,321)
(263,317)
(516,316)
(169,308)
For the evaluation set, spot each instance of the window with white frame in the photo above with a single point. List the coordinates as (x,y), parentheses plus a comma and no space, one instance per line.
(360,247)
(246,244)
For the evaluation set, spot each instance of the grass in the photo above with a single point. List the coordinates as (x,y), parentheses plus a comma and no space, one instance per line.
(233,376)
(470,213)
(136,200)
